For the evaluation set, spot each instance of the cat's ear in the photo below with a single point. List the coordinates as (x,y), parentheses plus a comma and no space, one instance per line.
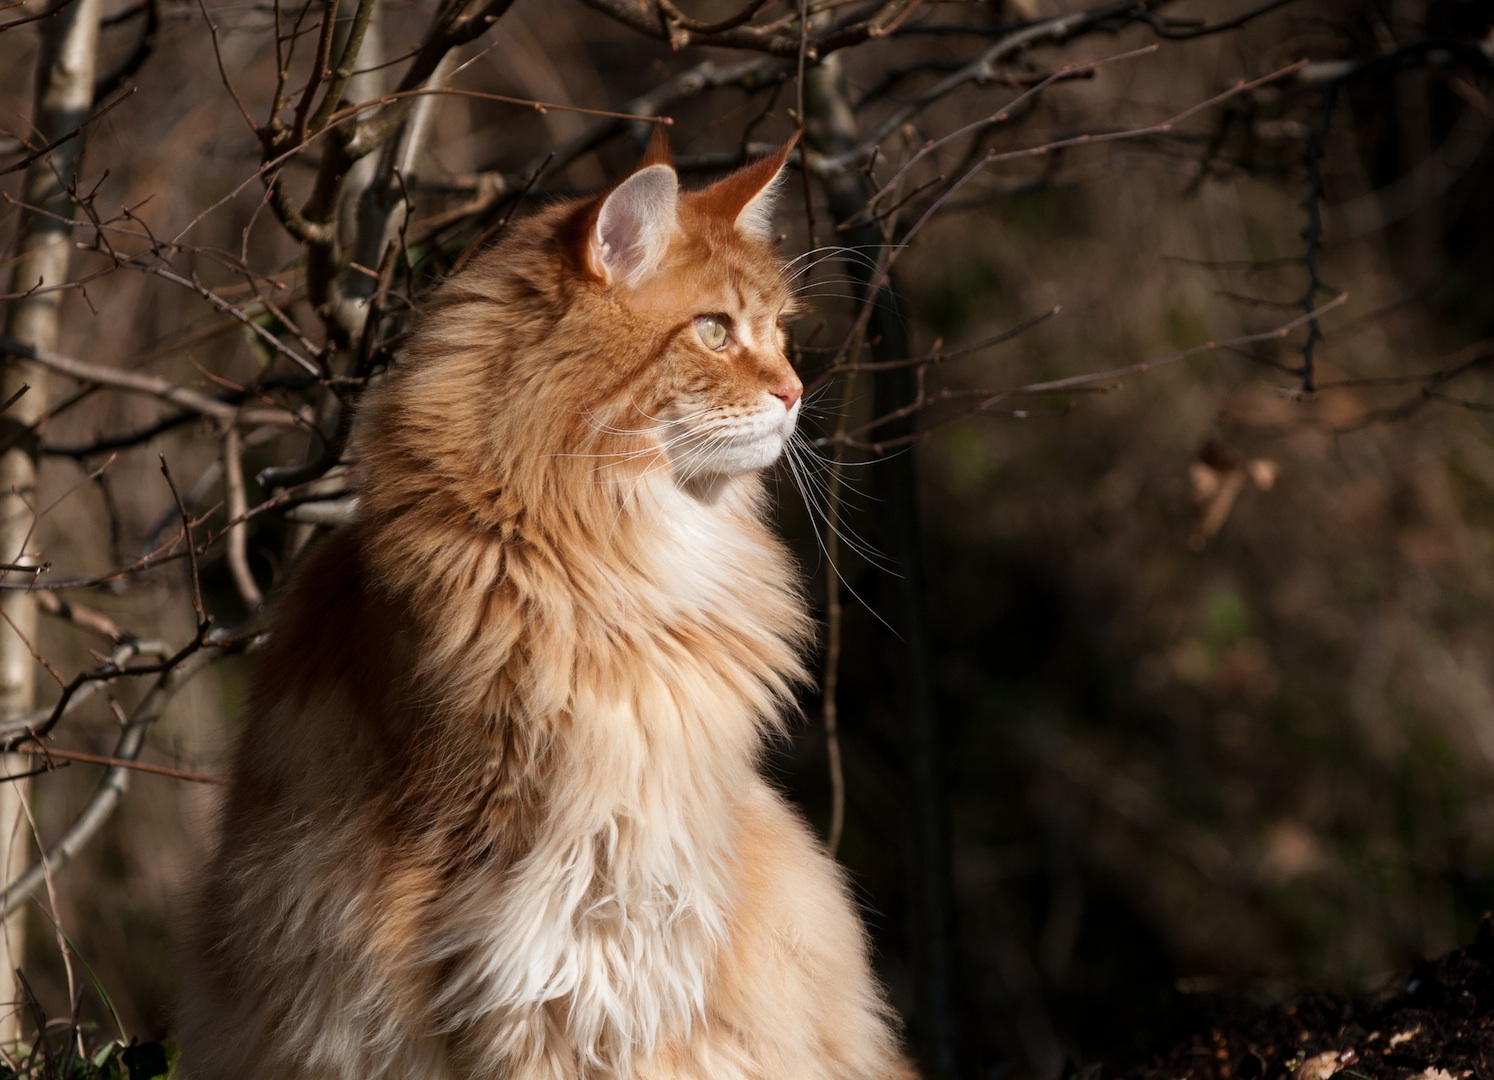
(633,226)
(747,196)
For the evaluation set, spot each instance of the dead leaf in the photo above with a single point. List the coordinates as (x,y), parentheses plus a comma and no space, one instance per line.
(1263,472)
(1322,1066)
(1318,1067)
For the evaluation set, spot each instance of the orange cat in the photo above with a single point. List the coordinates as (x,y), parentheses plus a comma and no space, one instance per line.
(496,812)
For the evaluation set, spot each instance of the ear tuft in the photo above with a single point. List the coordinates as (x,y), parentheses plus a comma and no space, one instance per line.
(755,221)
(658,152)
(634,225)
(747,196)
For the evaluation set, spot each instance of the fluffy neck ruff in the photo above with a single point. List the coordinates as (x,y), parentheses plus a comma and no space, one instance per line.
(518,501)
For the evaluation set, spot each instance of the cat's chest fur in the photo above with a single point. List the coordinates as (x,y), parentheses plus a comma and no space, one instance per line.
(612,918)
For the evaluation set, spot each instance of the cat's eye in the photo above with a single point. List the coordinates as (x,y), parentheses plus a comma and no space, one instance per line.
(712,330)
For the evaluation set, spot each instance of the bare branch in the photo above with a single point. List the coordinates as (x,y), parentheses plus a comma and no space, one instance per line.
(229,309)
(120,763)
(781,38)
(222,69)
(84,618)
(477,95)
(441,39)
(1065,72)
(79,689)
(1163,127)
(152,385)
(346,63)
(678,18)
(301,127)
(936,355)
(38,17)
(203,619)
(991,398)
(112,787)
(238,508)
(38,154)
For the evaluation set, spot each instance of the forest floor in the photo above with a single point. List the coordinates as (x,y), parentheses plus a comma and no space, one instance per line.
(1436,1024)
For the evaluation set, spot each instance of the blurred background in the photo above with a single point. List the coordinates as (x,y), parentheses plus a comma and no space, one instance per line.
(1172,681)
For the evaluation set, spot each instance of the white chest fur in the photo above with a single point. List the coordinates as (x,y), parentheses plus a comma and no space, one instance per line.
(598,943)
(607,929)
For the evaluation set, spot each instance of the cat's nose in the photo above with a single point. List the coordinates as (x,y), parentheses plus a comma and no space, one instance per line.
(789,392)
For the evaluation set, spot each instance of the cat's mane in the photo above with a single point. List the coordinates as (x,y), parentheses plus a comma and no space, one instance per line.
(560,478)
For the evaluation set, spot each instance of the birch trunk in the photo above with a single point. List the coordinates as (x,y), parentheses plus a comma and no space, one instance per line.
(64,95)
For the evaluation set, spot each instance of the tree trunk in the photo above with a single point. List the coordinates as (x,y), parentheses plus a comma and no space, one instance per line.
(64,95)
(830,129)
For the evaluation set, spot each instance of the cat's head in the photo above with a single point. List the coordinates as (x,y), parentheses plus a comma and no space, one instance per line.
(698,268)
(635,332)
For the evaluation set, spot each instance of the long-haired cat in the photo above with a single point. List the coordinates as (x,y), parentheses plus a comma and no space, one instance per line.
(496,811)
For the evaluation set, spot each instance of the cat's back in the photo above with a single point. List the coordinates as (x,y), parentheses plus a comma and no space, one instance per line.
(306,931)
(325,691)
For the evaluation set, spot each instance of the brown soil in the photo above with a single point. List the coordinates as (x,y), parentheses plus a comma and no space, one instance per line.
(1438,1024)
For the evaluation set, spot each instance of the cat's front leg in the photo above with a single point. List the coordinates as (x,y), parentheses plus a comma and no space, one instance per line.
(792,996)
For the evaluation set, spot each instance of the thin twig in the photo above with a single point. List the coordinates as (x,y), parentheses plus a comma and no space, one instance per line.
(181,509)
(478,95)
(121,763)
(300,126)
(238,507)
(934,356)
(1313,233)
(222,68)
(85,618)
(879,281)
(36,155)
(992,398)
(111,789)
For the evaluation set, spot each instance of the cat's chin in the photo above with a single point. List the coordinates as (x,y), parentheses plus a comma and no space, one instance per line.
(707,479)
(703,458)
(751,457)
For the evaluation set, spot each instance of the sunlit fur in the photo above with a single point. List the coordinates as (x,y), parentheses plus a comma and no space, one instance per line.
(496,809)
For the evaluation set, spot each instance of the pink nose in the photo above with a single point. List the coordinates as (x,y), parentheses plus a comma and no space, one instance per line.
(790,392)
